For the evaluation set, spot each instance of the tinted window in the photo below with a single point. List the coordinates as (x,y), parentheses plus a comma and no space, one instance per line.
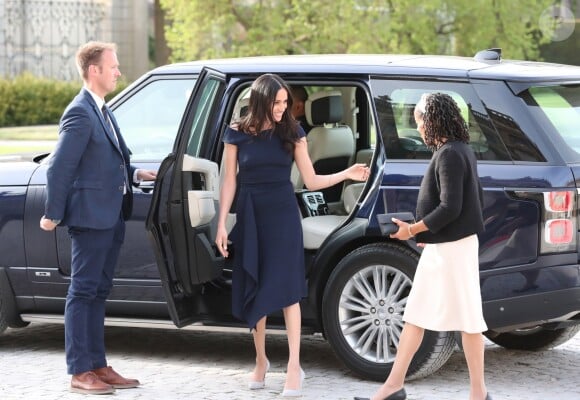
(395,101)
(520,147)
(559,107)
(515,127)
(150,118)
(207,100)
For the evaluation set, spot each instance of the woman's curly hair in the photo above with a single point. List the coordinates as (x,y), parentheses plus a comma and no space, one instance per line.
(442,119)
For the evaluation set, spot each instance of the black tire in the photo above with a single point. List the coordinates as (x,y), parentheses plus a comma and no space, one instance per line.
(535,339)
(363,319)
(3,321)
(8,316)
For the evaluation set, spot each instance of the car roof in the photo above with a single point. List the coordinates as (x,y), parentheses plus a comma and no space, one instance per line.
(392,64)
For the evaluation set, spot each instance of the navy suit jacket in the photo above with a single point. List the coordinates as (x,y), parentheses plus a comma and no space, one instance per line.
(87,170)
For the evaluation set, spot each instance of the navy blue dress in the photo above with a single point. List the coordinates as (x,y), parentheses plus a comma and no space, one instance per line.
(268,262)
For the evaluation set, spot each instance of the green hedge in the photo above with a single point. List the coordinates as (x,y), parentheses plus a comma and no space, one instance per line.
(29,100)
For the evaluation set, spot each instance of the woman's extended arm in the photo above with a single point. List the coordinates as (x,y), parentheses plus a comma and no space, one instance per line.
(357,172)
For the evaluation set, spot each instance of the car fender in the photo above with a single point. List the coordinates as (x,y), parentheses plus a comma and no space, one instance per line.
(16,173)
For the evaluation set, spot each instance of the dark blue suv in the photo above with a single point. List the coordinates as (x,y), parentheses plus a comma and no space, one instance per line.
(524,125)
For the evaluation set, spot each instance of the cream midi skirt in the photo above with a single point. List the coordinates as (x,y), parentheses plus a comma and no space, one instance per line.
(446,295)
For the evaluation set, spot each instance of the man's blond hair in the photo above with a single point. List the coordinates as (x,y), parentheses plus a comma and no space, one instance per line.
(90,54)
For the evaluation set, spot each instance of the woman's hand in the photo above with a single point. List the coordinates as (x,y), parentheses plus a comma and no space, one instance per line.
(221,241)
(358,172)
(403,233)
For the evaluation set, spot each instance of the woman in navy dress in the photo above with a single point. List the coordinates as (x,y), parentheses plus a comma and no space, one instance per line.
(269,271)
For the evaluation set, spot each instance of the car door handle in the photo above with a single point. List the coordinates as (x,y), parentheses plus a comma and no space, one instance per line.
(146,186)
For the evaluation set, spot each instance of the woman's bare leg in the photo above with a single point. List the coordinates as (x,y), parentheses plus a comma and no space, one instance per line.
(473,348)
(259,334)
(293,320)
(409,342)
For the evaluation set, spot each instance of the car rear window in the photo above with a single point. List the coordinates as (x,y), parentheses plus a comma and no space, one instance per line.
(560,106)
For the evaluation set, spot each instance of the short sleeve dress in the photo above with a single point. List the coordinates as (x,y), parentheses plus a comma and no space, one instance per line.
(268,262)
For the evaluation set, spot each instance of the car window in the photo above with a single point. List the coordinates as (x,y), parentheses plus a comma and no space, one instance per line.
(207,100)
(150,118)
(561,107)
(395,101)
(515,128)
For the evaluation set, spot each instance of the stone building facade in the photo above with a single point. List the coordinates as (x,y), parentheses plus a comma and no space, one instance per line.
(42,36)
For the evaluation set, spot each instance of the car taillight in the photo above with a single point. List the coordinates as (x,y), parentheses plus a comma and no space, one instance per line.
(558,231)
(559,222)
(558,201)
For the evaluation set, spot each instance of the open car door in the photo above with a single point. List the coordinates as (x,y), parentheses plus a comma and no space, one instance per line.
(184,205)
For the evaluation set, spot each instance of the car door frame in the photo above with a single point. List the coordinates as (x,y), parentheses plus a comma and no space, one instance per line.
(186,256)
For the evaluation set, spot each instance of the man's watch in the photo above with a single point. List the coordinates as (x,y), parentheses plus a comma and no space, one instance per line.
(56,221)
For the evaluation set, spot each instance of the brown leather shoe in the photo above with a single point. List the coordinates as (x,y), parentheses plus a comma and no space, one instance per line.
(89,383)
(111,377)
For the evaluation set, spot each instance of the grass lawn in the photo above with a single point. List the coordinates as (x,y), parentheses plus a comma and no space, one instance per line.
(4,150)
(38,132)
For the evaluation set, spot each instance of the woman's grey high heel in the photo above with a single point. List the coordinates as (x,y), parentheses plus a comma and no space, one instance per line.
(295,392)
(253,385)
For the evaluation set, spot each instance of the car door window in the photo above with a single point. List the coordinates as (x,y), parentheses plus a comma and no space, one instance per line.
(395,103)
(208,99)
(149,120)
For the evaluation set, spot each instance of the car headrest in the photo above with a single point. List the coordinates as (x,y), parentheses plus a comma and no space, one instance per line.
(324,108)
(240,109)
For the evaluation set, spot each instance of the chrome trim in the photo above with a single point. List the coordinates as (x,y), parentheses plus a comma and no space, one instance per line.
(145,323)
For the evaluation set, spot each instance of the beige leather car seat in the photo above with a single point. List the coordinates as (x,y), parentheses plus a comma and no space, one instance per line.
(331,145)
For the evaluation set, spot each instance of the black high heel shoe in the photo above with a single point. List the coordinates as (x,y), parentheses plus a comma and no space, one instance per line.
(398,395)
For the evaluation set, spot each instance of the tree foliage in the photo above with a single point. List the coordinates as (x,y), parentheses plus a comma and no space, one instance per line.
(202,29)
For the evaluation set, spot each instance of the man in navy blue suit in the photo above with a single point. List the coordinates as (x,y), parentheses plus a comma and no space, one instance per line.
(89,189)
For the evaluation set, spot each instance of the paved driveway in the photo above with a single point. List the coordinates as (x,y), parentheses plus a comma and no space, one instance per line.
(174,364)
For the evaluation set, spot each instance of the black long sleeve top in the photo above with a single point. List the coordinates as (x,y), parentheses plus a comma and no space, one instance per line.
(450,199)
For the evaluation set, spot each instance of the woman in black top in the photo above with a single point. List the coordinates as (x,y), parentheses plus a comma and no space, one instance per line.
(445,295)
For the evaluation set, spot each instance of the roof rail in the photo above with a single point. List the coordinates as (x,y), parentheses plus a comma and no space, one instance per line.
(493,54)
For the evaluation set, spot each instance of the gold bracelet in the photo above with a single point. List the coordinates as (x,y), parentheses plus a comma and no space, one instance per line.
(409,230)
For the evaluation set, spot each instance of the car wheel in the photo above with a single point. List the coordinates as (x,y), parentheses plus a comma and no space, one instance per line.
(362,311)
(536,338)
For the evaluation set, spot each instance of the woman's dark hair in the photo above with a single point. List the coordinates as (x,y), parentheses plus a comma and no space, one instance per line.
(442,119)
(262,96)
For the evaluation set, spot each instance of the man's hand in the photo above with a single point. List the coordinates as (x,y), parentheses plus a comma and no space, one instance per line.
(47,224)
(146,175)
